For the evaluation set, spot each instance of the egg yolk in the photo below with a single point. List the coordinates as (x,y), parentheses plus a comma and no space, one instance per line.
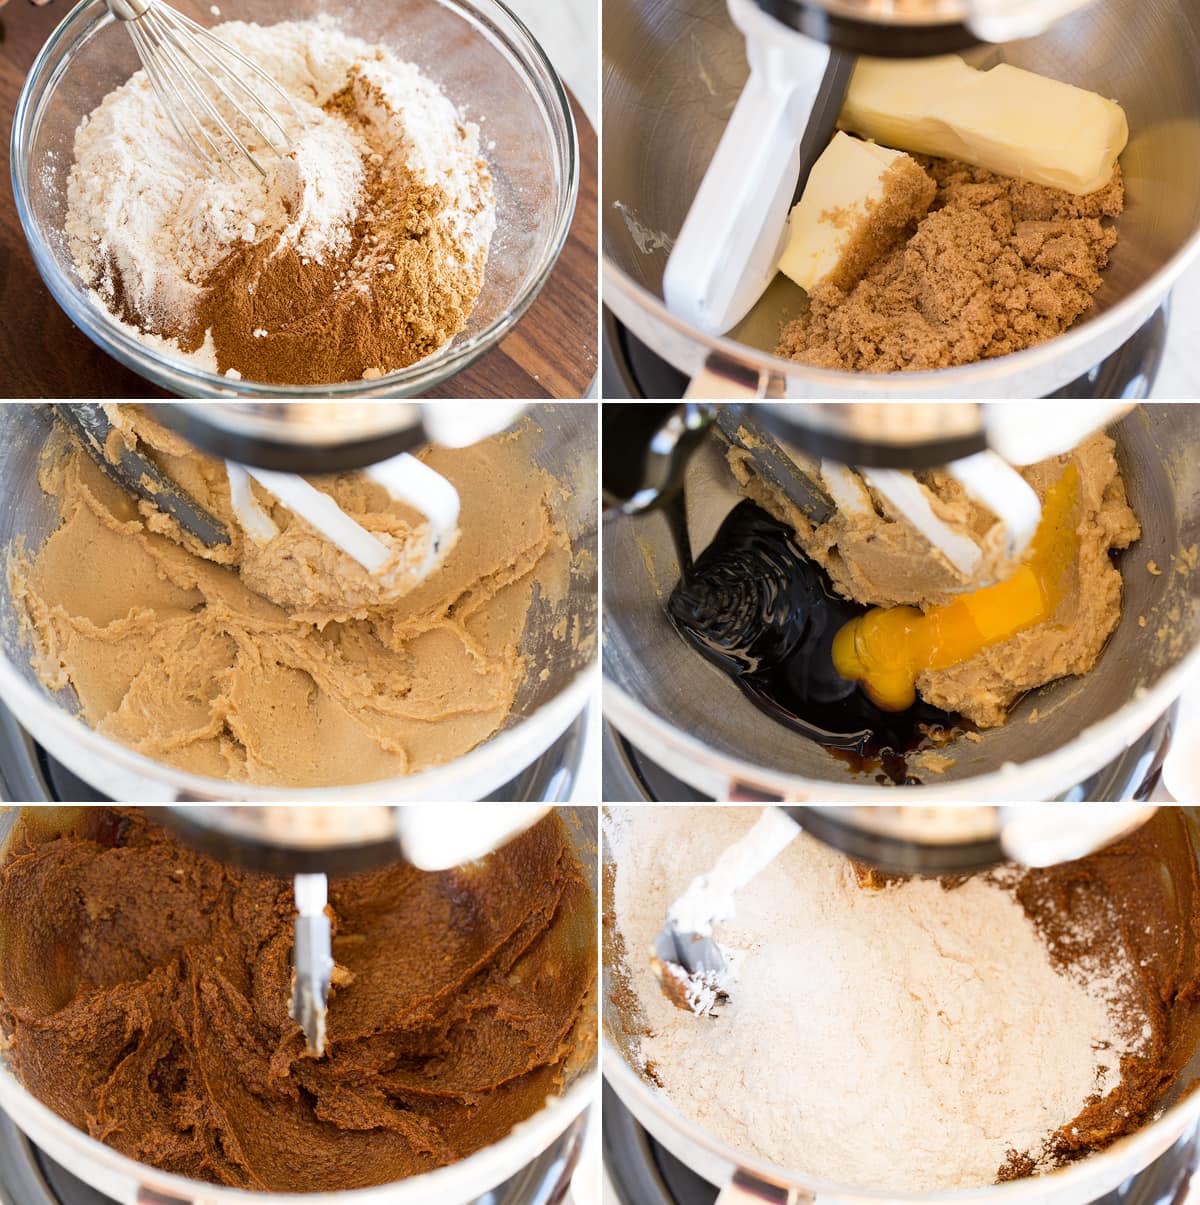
(889,647)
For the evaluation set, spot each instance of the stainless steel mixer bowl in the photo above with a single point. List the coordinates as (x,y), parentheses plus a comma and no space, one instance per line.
(695,723)
(132,1183)
(719,1163)
(543,709)
(673,72)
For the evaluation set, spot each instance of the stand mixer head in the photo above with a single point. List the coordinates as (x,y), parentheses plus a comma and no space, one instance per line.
(878,440)
(647,446)
(959,840)
(912,28)
(402,476)
(331,437)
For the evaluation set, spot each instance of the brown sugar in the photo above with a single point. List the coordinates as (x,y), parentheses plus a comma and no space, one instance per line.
(908,193)
(996,266)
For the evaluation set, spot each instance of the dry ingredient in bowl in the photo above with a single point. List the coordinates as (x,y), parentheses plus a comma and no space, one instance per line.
(362,251)
(913,1035)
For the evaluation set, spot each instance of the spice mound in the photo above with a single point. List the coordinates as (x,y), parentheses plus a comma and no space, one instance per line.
(189,661)
(996,266)
(361,251)
(912,1035)
(144,997)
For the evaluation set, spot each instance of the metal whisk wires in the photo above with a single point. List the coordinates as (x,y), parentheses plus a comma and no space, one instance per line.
(201,83)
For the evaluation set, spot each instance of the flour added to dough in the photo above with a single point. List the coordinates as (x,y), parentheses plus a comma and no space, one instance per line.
(912,1035)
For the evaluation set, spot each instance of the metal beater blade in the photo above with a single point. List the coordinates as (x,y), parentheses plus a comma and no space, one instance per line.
(312,960)
(137,473)
(986,477)
(691,966)
(406,479)
(773,464)
(727,252)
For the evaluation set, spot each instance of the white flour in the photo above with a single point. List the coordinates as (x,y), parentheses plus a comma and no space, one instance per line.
(906,1039)
(147,222)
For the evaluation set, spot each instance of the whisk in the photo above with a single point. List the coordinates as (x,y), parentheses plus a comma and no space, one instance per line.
(201,84)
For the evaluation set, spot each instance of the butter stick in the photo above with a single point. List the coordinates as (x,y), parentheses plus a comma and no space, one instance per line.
(1007,120)
(857,204)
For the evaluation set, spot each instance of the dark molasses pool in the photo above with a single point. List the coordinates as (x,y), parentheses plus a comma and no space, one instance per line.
(760,610)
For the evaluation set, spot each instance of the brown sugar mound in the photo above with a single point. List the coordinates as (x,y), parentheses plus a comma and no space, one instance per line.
(908,192)
(996,266)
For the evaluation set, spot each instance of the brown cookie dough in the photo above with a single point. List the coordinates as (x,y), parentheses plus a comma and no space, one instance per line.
(1132,911)
(187,661)
(144,992)
(878,559)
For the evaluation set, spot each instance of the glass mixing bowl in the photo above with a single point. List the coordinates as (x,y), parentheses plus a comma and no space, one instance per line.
(484,59)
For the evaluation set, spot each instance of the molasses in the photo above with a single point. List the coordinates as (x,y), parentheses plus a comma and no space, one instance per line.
(760,610)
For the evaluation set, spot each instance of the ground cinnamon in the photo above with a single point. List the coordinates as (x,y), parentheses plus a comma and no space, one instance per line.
(996,266)
(405,286)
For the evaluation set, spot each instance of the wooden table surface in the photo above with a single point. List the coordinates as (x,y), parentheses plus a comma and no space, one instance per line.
(552,351)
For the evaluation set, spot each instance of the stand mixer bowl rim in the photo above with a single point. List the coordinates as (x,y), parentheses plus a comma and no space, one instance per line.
(1127,1155)
(963,381)
(488,766)
(947,12)
(1036,780)
(462,1181)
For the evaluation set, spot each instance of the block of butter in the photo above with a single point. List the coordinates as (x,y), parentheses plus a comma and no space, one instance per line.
(857,204)
(1007,120)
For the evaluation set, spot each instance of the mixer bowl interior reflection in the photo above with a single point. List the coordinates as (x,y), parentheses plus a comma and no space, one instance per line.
(716,1161)
(692,719)
(128,1181)
(674,70)
(545,705)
